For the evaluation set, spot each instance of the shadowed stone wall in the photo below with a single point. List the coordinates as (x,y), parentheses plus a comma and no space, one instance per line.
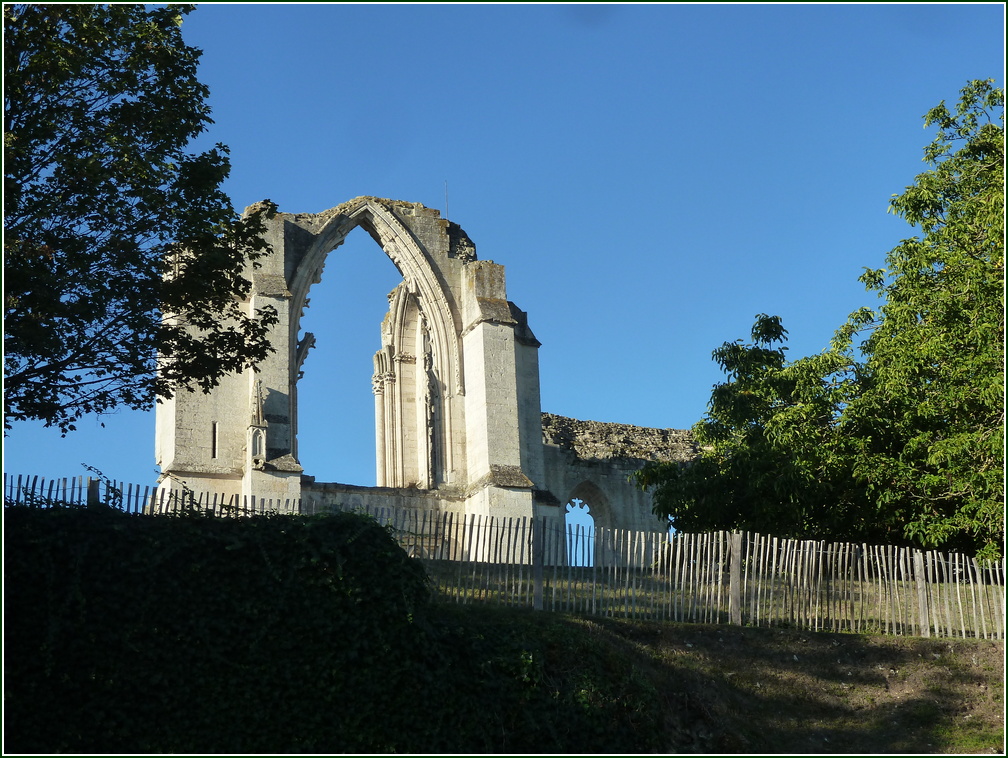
(592,461)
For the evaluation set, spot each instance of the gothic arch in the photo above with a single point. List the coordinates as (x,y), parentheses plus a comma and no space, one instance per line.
(409,258)
(456,377)
(420,343)
(596,500)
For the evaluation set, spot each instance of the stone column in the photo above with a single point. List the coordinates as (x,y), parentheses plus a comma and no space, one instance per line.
(497,484)
(379,396)
(273,383)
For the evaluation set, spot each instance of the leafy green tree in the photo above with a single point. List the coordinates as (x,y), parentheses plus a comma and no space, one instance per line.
(929,417)
(900,439)
(125,265)
(771,459)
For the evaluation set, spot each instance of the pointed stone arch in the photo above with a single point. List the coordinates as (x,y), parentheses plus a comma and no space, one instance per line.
(418,371)
(434,297)
(598,503)
(456,377)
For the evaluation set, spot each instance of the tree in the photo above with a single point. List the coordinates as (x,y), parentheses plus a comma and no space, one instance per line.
(901,438)
(929,417)
(771,458)
(125,265)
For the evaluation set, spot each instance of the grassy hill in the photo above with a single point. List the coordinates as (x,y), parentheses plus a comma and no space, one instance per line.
(285,634)
(723,689)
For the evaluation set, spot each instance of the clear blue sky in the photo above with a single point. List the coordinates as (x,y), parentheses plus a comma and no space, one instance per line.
(651,177)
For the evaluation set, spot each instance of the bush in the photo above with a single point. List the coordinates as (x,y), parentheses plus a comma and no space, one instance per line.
(128,633)
(274,634)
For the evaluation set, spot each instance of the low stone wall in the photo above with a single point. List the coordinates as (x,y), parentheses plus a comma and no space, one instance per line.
(318,495)
(599,440)
(591,461)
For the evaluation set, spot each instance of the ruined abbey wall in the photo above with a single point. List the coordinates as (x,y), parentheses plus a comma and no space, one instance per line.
(458,424)
(588,460)
(603,441)
(592,461)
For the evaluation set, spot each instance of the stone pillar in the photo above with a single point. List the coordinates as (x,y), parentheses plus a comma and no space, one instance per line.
(529,408)
(377,386)
(274,373)
(270,389)
(497,483)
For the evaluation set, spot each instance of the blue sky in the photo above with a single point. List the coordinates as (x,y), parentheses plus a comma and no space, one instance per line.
(651,177)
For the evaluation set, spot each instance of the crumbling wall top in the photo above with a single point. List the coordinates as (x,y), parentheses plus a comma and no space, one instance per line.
(441,237)
(316,221)
(599,440)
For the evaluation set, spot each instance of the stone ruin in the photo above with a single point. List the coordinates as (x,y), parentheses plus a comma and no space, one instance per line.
(458,424)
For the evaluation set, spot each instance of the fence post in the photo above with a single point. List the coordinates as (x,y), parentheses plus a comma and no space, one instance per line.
(920,579)
(93,495)
(538,533)
(735,580)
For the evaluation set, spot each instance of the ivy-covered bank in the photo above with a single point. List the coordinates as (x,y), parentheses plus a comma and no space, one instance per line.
(190,634)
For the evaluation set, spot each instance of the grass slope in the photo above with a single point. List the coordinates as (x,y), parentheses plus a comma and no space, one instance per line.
(276,634)
(653,686)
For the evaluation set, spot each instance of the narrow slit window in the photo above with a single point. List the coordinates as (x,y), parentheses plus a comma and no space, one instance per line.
(213,439)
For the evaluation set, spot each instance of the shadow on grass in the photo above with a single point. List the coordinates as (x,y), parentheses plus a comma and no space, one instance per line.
(698,688)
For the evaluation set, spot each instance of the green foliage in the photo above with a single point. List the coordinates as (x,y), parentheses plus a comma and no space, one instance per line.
(124,262)
(935,350)
(189,634)
(899,439)
(771,459)
(140,634)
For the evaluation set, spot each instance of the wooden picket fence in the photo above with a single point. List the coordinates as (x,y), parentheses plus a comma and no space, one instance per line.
(717,577)
(130,498)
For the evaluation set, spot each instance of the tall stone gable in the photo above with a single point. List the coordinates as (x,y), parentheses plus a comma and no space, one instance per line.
(458,425)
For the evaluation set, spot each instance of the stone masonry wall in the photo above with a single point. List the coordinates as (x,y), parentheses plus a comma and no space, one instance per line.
(599,440)
(593,461)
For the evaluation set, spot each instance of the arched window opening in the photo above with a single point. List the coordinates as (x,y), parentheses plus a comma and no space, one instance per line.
(335,402)
(579,528)
(258,445)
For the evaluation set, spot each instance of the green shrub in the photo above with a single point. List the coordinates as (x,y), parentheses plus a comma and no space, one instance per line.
(271,634)
(128,633)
